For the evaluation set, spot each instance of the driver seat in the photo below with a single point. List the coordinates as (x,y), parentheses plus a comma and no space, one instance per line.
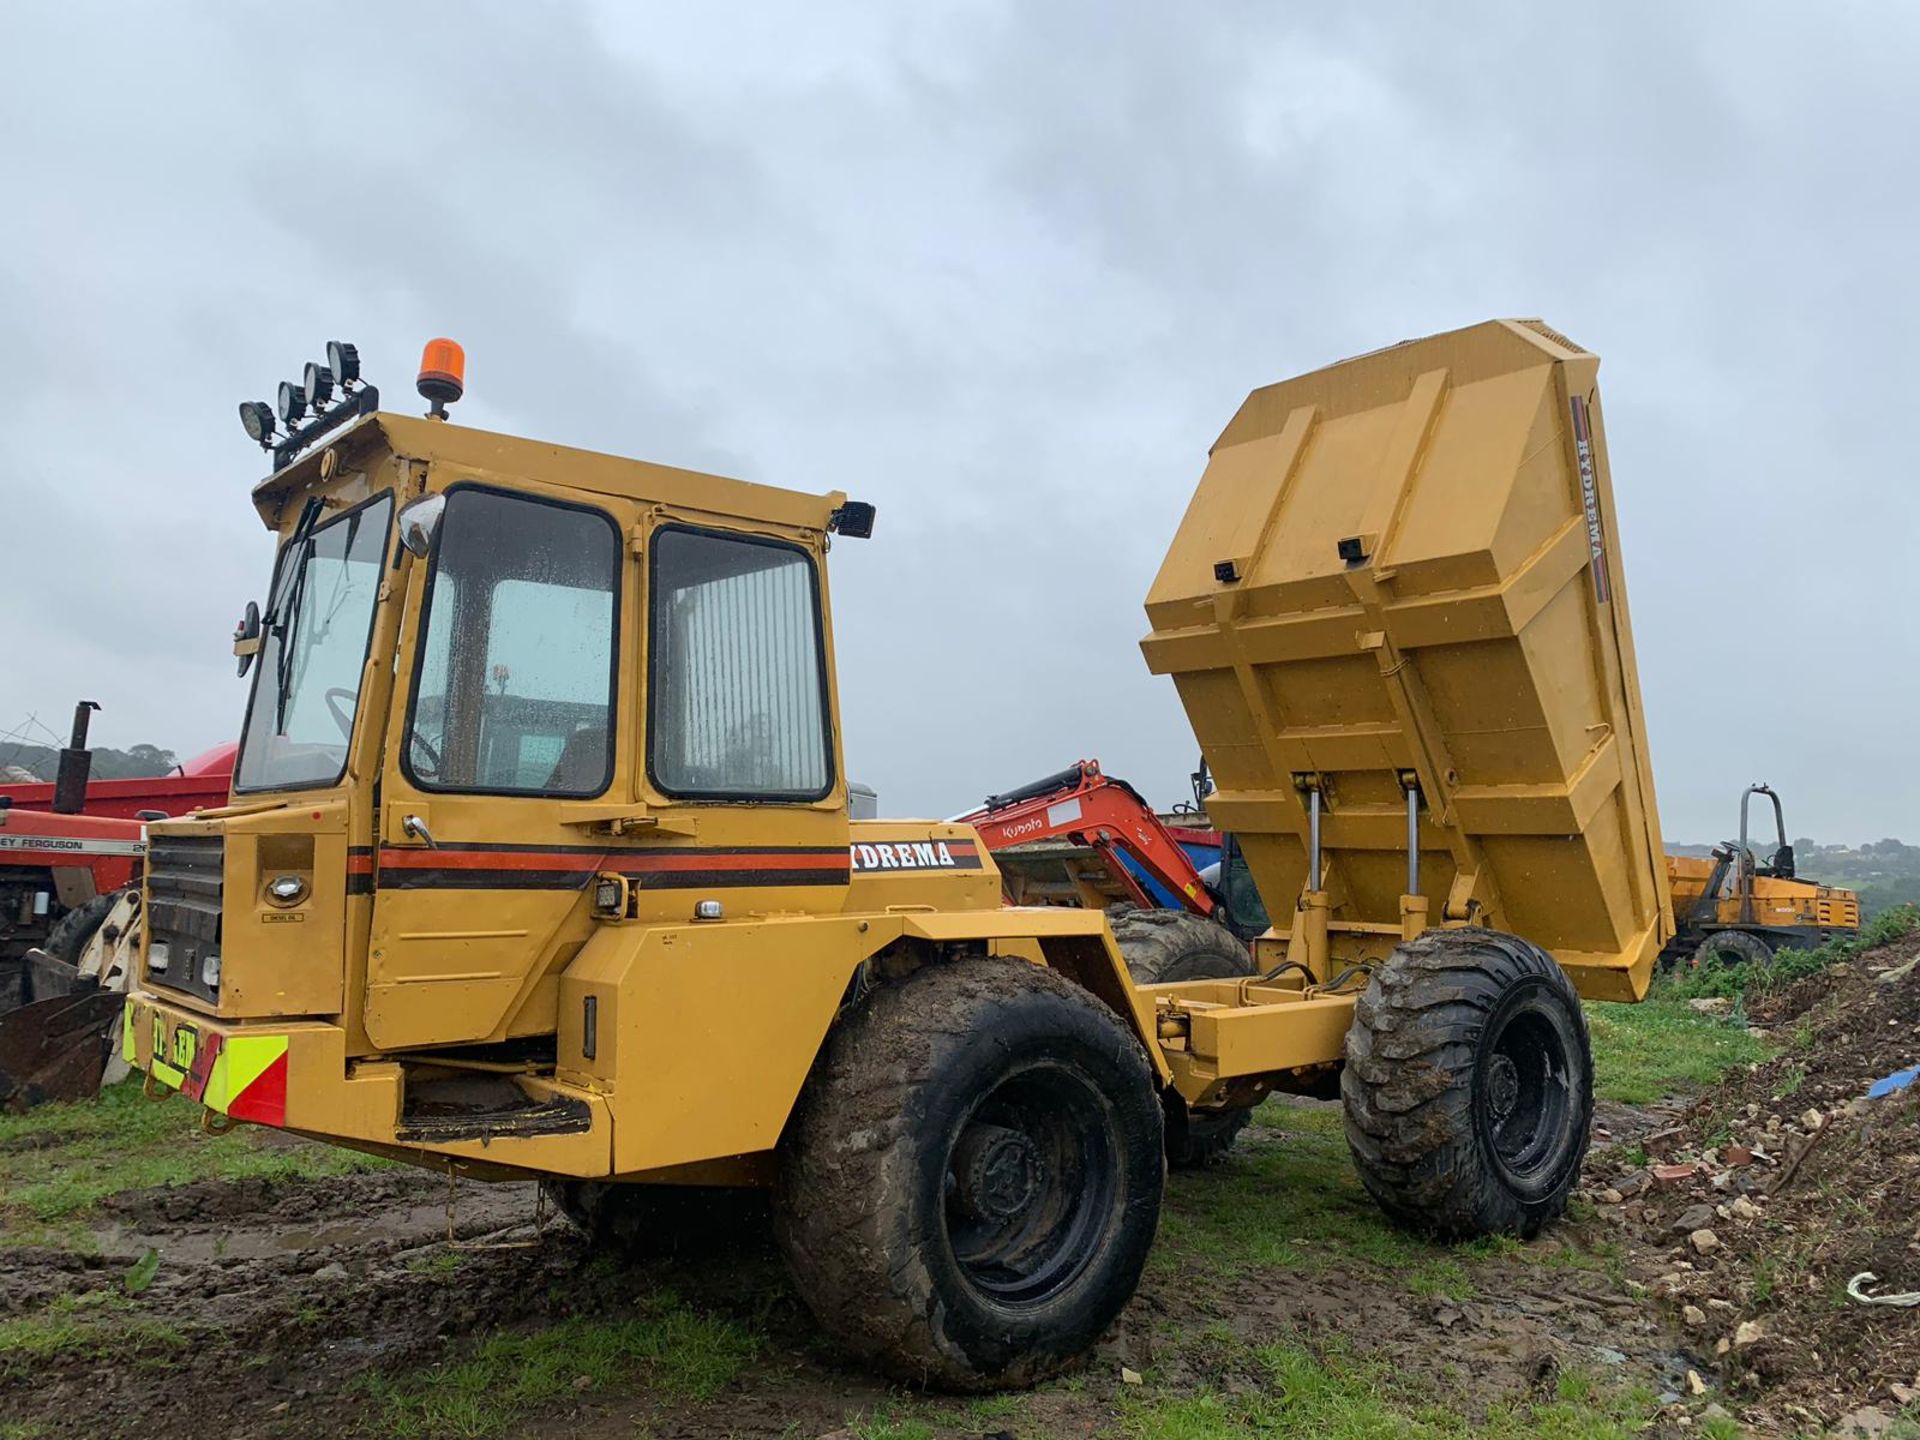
(582,766)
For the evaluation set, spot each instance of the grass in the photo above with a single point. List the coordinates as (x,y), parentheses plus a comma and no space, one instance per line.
(58,1162)
(675,1351)
(93,1322)
(1332,1392)
(1646,1052)
(885,1423)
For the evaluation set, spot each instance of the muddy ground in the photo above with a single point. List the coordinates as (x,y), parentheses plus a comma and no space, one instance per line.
(275,1302)
(335,1305)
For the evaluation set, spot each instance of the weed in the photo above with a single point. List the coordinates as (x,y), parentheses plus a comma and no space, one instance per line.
(886,1423)
(994,1407)
(1788,966)
(436,1262)
(140,1274)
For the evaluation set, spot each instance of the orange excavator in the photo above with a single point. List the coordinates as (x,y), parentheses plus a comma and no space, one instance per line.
(1082,837)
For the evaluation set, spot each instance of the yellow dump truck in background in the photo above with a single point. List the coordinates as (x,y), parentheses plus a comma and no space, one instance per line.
(539,861)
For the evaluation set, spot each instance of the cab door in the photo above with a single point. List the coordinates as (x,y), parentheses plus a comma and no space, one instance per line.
(505,737)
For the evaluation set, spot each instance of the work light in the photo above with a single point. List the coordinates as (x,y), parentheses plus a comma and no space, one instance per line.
(344,361)
(257,417)
(293,402)
(317,386)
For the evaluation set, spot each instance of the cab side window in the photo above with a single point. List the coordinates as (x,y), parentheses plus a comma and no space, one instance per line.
(737,694)
(514,690)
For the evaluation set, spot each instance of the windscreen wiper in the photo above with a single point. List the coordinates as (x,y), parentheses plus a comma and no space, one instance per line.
(283,617)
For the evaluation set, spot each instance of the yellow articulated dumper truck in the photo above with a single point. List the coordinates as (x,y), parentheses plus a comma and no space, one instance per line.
(538,861)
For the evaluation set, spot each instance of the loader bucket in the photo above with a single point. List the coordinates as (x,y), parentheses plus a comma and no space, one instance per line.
(53,1042)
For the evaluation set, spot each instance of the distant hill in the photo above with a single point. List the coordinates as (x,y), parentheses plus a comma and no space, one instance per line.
(141,762)
(1885,872)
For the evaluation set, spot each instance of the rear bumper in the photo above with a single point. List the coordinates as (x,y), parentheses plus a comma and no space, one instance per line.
(295,1075)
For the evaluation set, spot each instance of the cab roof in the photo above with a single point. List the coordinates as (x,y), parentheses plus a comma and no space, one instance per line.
(504,458)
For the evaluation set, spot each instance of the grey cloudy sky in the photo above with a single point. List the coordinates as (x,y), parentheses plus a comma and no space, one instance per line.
(1006,271)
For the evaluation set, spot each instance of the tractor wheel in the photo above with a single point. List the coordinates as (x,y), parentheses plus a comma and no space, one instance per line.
(1164,945)
(1729,948)
(68,938)
(1468,1087)
(659,1219)
(971,1184)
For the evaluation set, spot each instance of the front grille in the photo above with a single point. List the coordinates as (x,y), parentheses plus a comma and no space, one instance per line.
(183,912)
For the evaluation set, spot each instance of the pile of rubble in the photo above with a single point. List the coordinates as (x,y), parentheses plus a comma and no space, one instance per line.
(1781,1216)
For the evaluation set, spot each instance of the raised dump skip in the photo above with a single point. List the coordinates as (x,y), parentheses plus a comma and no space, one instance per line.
(1403,571)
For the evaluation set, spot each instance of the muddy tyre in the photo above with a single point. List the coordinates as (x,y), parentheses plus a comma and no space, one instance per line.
(651,1220)
(970,1187)
(68,937)
(1165,945)
(1729,948)
(1468,1087)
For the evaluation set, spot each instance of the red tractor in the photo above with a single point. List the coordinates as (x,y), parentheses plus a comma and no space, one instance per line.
(69,909)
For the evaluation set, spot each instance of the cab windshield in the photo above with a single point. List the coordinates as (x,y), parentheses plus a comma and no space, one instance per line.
(313,650)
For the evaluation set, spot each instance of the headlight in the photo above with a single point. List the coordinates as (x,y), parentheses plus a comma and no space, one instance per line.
(210,971)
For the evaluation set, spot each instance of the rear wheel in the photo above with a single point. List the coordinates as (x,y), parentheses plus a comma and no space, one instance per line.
(1468,1087)
(1728,948)
(659,1219)
(969,1189)
(1166,945)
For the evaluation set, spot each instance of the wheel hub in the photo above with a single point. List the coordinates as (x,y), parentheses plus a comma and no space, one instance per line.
(997,1172)
(1503,1087)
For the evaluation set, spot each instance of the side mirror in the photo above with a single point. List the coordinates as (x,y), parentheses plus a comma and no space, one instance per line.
(246,637)
(418,522)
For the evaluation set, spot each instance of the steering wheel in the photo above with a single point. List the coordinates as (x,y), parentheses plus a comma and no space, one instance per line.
(342,717)
(432,769)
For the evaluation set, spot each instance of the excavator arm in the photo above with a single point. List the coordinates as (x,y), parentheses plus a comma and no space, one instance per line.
(1081,837)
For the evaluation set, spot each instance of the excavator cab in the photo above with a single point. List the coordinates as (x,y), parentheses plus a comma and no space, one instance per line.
(1240,907)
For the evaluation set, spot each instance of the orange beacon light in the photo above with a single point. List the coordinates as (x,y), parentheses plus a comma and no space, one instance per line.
(442,378)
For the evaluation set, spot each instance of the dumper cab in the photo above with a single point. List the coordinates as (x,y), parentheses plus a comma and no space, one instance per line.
(539,820)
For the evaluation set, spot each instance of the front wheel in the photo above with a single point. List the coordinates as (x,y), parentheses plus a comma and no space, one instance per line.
(970,1188)
(1468,1087)
(1728,948)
